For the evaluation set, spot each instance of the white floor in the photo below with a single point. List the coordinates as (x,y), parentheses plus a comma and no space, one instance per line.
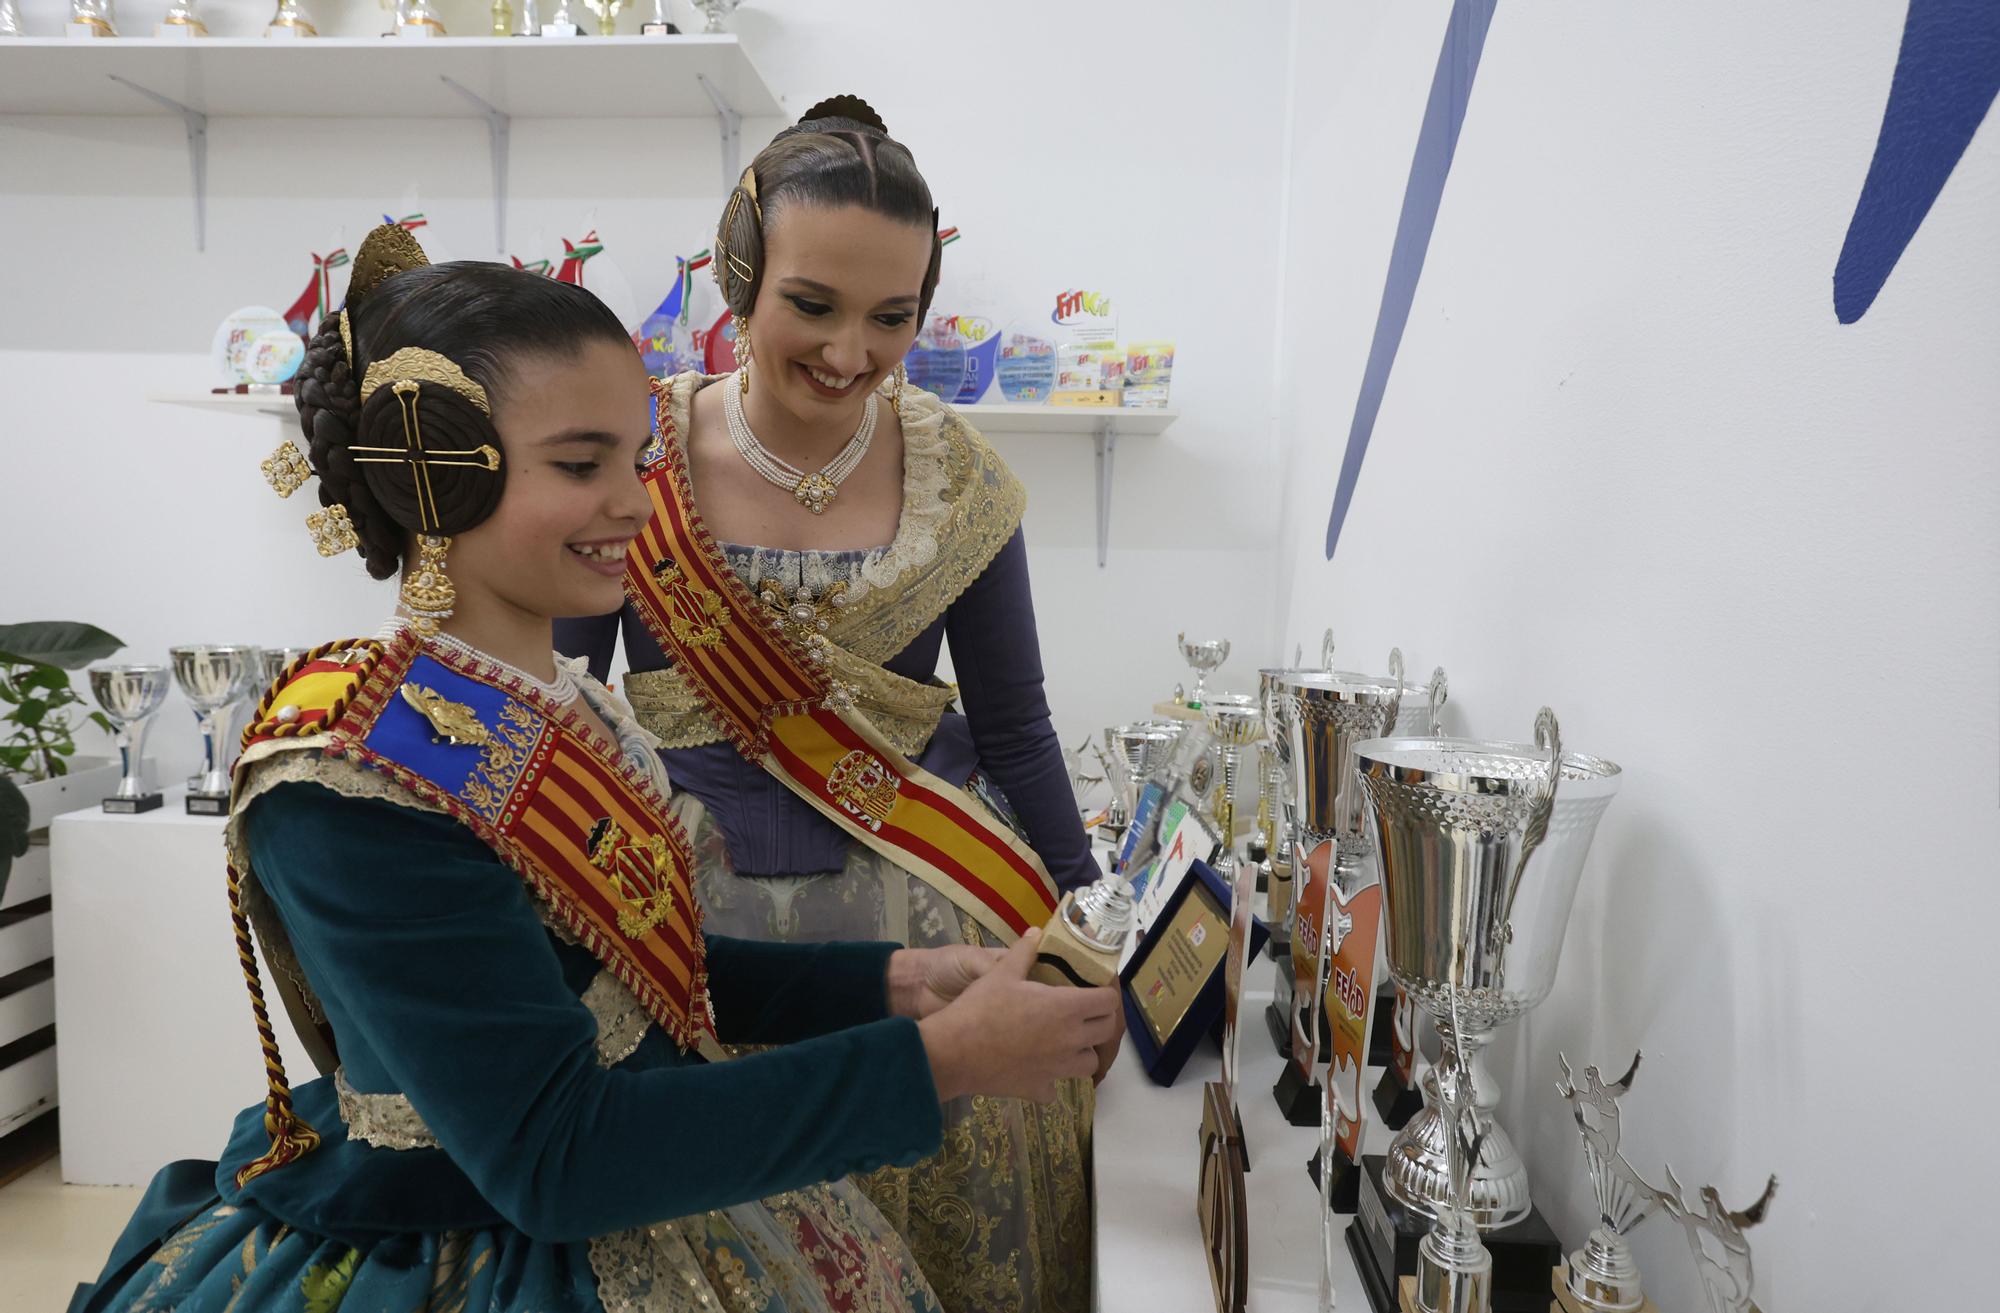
(53,1236)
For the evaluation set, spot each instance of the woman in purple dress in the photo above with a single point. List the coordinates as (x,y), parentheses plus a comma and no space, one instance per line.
(877,525)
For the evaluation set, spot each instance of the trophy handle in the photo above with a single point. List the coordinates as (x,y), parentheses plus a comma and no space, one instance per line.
(1439,692)
(1395,674)
(1548,737)
(1326,649)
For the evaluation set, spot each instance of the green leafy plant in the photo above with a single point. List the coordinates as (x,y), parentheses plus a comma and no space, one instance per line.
(35,661)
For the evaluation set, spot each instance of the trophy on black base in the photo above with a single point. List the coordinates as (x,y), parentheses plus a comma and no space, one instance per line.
(1324,714)
(214,678)
(1482,845)
(129,696)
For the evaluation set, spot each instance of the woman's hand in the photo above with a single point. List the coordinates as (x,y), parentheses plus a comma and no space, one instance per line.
(923,980)
(1008,1035)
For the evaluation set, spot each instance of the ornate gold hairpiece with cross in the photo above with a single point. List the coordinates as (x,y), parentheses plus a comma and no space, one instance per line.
(417,364)
(405,373)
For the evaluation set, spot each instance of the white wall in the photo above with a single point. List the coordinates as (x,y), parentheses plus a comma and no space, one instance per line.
(1629,465)
(1066,163)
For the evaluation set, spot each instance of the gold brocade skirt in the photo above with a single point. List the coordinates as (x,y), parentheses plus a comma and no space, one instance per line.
(1000,1217)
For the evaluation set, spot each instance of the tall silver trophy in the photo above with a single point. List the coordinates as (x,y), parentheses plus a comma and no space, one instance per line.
(129,695)
(214,677)
(1397,1097)
(1323,715)
(1236,722)
(1482,845)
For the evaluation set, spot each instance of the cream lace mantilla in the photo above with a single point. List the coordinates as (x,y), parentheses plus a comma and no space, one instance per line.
(961,504)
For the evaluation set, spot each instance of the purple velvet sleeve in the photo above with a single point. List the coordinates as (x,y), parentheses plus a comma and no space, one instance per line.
(998,659)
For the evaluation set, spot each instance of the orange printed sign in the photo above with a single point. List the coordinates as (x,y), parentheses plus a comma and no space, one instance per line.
(1308,898)
(1350,988)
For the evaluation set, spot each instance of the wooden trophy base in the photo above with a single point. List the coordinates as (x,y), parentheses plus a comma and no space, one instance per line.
(1406,1295)
(1566,1302)
(1223,1205)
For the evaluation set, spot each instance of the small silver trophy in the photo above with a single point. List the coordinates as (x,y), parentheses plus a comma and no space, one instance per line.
(291,21)
(276,661)
(214,678)
(130,694)
(1204,655)
(565,21)
(418,18)
(181,21)
(528,18)
(10,19)
(658,25)
(1601,1277)
(715,11)
(1715,1235)
(92,18)
(1134,754)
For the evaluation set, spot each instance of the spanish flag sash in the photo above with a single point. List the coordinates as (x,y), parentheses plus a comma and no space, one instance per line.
(591,838)
(758,676)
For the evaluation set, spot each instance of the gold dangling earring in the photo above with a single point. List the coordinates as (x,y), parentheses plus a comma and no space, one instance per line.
(901,376)
(743,353)
(428,594)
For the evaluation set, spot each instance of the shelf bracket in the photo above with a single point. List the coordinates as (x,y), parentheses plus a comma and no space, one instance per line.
(498,128)
(1107,448)
(196,124)
(731,127)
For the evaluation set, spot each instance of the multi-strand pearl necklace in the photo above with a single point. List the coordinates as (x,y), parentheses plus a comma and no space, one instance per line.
(813,491)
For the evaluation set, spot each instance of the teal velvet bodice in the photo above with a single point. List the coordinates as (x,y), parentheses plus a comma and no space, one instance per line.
(442,984)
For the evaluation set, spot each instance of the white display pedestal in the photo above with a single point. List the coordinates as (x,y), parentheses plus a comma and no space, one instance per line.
(158,1050)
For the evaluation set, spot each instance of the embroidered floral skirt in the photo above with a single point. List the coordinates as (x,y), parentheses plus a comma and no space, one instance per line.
(815,1250)
(1000,1218)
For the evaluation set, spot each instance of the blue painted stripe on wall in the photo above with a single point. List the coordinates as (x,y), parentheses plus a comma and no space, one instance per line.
(1437,142)
(1947,75)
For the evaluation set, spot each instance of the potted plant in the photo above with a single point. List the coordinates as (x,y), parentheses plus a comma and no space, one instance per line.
(40,774)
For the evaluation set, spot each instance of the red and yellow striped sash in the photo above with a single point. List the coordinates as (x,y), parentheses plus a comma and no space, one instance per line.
(783,712)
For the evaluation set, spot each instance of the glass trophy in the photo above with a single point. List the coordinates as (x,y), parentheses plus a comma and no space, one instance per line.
(91,18)
(181,22)
(937,361)
(290,22)
(1026,367)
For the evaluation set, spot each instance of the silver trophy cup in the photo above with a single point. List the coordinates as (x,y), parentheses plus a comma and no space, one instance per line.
(1133,754)
(130,695)
(214,678)
(1204,655)
(1236,721)
(1481,846)
(276,661)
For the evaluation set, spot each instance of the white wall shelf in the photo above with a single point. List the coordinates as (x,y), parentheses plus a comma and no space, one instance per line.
(233,403)
(1104,426)
(495,79)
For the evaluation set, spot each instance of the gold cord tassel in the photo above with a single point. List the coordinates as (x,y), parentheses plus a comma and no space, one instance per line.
(291,1137)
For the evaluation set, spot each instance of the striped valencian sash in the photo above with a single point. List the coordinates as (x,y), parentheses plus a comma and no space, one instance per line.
(758,678)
